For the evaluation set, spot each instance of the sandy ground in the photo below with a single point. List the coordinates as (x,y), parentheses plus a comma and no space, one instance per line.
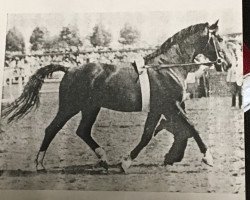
(71,163)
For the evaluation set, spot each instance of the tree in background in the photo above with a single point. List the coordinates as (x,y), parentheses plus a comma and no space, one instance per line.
(15,41)
(128,35)
(100,36)
(38,38)
(50,43)
(69,37)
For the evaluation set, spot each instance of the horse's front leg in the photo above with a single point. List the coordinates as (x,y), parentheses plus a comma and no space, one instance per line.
(207,157)
(149,128)
(182,129)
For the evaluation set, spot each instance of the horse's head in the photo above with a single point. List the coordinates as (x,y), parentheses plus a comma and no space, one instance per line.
(215,49)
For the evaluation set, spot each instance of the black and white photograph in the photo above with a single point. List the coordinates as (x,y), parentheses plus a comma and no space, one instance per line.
(143,101)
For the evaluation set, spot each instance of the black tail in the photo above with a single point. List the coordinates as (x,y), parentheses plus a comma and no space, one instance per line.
(30,96)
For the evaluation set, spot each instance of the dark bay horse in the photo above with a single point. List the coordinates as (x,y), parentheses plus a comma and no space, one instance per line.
(87,88)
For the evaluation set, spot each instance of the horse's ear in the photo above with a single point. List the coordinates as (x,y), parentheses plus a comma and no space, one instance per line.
(214,27)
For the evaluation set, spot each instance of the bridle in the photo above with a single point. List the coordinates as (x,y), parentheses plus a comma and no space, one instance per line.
(211,36)
(218,60)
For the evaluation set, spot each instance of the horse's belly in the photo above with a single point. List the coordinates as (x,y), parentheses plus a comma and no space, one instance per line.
(127,101)
(122,108)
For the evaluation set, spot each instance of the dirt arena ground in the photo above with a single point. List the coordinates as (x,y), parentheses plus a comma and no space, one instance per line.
(71,164)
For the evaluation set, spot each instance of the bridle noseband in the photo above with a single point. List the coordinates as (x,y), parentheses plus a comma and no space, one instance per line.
(211,36)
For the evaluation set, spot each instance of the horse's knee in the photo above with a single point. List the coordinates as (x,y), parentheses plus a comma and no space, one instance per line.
(183,129)
(80,133)
(50,130)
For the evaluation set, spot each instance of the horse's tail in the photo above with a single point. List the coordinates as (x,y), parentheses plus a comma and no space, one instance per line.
(30,95)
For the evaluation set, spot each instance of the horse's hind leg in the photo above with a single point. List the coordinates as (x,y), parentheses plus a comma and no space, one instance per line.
(149,128)
(50,132)
(84,132)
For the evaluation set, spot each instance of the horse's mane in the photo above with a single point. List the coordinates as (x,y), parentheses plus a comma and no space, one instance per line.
(180,36)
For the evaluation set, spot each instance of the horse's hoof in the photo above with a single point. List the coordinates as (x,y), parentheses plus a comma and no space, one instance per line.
(121,170)
(169,160)
(168,163)
(126,163)
(40,167)
(208,159)
(104,164)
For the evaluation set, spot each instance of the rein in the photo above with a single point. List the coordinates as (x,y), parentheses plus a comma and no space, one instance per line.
(180,65)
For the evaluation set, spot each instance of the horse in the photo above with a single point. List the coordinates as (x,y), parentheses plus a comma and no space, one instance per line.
(90,87)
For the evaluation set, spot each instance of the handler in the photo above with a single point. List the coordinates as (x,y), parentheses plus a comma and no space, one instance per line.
(235,79)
